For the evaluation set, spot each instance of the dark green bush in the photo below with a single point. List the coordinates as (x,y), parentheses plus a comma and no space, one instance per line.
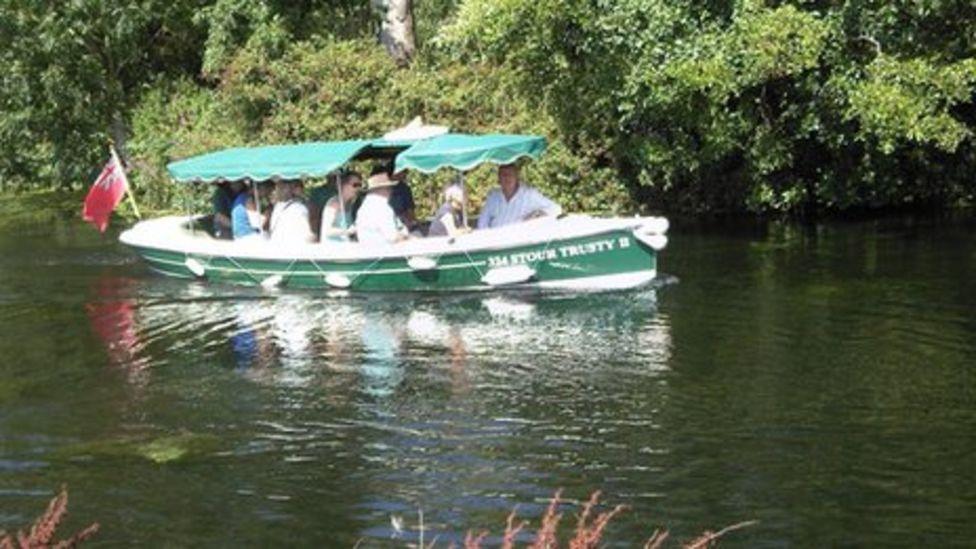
(659,105)
(336,90)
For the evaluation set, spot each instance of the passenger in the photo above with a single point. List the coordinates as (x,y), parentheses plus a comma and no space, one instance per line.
(289,219)
(514,201)
(449,218)
(401,200)
(246,218)
(316,198)
(375,222)
(337,216)
(261,213)
(222,201)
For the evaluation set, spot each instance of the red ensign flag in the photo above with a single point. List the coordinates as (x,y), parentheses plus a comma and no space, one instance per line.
(105,194)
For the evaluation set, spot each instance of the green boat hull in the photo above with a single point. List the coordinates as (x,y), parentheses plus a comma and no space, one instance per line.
(608,260)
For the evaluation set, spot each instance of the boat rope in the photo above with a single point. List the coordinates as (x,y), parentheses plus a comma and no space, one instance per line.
(206,265)
(368,269)
(285,277)
(210,260)
(242,268)
(259,282)
(353,278)
(473,263)
(325,273)
(318,267)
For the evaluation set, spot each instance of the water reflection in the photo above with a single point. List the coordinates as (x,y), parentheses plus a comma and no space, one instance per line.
(112,314)
(303,337)
(458,404)
(818,379)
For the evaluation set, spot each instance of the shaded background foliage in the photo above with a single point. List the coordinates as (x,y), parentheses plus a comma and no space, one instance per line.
(680,106)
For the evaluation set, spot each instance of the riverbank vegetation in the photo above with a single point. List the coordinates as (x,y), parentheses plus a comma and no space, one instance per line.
(688,106)
(589,532)
(42,533)
(591,524)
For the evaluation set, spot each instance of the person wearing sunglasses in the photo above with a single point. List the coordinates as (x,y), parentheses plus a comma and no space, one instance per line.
(337,216)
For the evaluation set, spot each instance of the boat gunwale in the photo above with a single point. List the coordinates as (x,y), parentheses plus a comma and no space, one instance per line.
(421,247)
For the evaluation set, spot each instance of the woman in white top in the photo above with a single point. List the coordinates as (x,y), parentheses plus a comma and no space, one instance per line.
(289,218)
(376,223)
(337,214)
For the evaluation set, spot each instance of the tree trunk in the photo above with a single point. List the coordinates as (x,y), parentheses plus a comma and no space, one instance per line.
(396,32)
(118,133)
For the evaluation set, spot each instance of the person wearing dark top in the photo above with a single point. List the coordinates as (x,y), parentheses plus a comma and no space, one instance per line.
(316,199)
(222,202)
(402,202)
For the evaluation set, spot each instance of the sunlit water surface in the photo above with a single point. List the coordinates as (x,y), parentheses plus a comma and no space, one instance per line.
(820,380)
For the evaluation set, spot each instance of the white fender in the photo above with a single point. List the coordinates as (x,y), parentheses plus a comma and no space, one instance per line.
(422,263)
(657,242)
(504,276)
(337,280)
(655,225)
(195,267)
(272,282)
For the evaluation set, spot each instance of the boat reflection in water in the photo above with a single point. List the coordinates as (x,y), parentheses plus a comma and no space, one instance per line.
(456,403)
(295,339)
(112,314)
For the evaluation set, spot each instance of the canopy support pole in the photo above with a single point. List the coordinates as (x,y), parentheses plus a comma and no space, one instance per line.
(186,213)
(342,203)
(464,200)
(257,202)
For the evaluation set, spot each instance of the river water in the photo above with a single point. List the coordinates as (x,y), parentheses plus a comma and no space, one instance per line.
(819,379)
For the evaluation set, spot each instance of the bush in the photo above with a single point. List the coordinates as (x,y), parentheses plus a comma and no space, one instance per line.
(333,90)
(176,120)
(682,107)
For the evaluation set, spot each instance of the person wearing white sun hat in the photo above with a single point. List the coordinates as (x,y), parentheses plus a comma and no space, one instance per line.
(376,223)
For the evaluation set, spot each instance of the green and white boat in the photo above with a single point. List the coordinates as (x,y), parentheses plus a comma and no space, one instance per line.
(572,252)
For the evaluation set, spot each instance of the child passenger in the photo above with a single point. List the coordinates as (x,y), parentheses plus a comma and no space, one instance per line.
(449,218)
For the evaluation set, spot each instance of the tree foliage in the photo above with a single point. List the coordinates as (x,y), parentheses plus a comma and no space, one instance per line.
(778,106)
(350,89)
(72,70)
(687,105)
(270,25)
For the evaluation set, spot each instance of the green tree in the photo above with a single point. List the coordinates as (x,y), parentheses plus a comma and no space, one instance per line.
(687,105)
(783,106)
(272,24)
(72,70)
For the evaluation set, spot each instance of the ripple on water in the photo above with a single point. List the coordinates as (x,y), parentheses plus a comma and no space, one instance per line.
(790,379)
(17,466)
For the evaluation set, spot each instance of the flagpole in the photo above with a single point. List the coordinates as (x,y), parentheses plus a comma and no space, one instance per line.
(128,189)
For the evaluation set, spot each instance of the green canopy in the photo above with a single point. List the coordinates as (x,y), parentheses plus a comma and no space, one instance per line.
(463,152)
(460,151)
(264,163)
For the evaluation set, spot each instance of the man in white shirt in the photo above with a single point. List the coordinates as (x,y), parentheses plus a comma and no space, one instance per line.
(514,202)
(289,218)
(376,223)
